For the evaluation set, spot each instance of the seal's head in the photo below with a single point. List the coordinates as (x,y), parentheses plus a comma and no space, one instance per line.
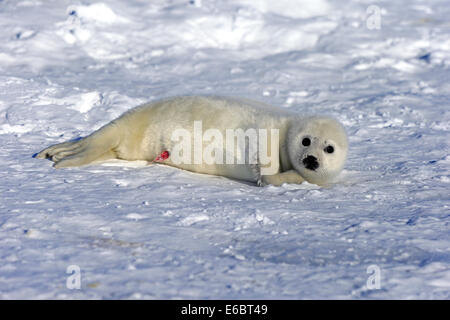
(317,148)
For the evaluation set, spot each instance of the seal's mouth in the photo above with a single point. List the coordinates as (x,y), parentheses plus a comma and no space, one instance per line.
(311,163)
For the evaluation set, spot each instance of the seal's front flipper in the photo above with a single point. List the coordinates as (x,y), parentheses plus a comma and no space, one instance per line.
(278,179)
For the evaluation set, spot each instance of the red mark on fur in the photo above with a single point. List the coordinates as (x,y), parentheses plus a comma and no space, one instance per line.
(163,156)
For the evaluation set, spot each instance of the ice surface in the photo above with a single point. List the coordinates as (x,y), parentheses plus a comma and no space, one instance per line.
(143,231)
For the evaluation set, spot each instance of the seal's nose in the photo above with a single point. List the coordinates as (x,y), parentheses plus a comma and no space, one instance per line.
(311,163)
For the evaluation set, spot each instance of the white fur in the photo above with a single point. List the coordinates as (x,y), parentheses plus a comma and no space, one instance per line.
(145,131)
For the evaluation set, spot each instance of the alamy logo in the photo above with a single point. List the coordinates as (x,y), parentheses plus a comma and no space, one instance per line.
(374,280)
(373,17)
(251,146)
(74,280)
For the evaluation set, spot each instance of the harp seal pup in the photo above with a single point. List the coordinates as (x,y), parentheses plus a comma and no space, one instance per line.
(311,148)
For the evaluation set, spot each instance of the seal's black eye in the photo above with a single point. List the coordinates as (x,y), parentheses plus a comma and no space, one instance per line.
(306,142)
(329,149)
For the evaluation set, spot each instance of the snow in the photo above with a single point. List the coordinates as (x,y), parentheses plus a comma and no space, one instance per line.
(139,231)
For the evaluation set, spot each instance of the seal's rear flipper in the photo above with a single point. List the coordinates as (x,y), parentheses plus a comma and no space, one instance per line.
(98,146)
(83,158)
